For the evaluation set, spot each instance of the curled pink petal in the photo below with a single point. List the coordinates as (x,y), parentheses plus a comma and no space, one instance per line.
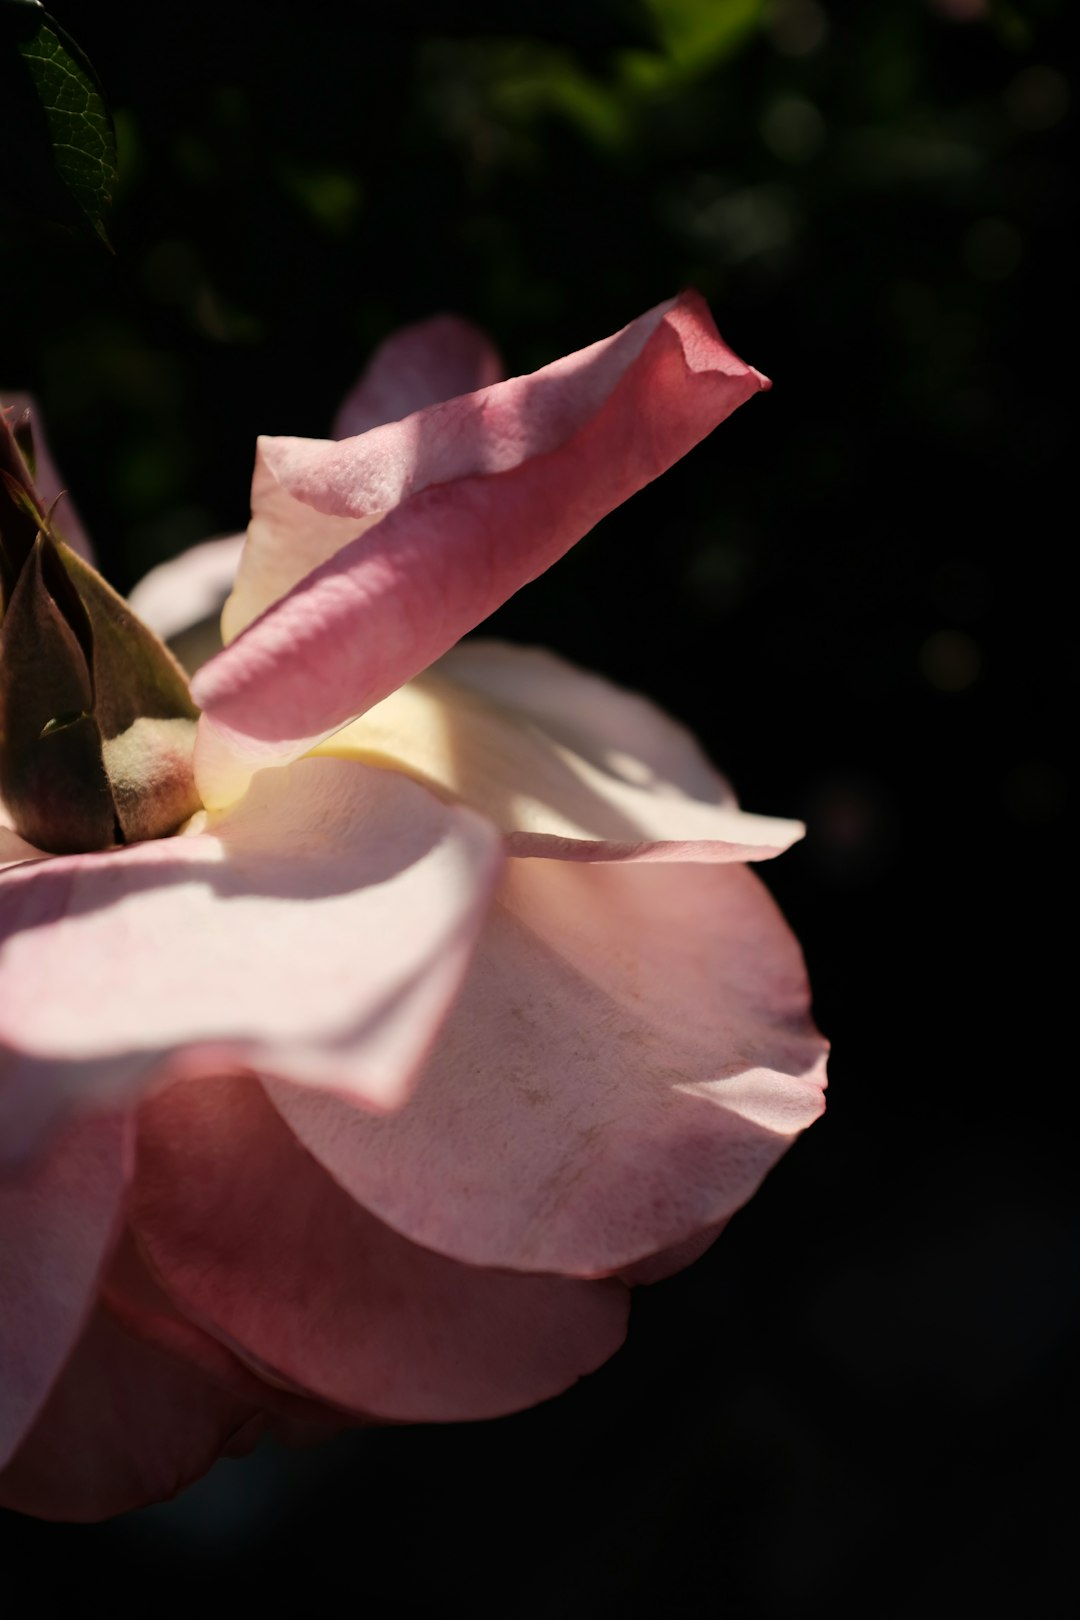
(482,494)
(561,761)
(58,1220)
(125,1426)
(252,1238)
(631,1053)
(419,365)
(50,486)
(319,930)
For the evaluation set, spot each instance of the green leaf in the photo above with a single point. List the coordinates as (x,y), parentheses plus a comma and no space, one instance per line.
(698,33)
(78,125)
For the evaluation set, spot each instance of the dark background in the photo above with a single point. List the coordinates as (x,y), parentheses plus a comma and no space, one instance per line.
(854,593)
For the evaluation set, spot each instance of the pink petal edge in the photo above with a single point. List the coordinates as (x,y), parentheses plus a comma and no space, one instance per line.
(59,1218)
(417,366)
(487,492)
(124,1427)
(565,764)
(255,1242)
(137,1303)
(630,1054)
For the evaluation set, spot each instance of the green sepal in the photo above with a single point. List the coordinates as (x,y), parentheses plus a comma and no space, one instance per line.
(97,725)
(52,771)
(135,674)
(143,707)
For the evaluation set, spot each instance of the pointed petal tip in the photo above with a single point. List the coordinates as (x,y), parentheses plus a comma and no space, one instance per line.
(416,540)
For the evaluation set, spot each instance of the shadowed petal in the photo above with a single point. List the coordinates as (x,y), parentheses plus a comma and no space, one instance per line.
(543,771)
(137,1303)
(125,1426)
(631,1052)
(58,1220)
(419,365)
(664,1263)
(251,1237)
(318,930)
(14,849)
(482,494)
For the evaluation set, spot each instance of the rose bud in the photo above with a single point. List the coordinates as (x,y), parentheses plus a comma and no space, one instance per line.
(97,727)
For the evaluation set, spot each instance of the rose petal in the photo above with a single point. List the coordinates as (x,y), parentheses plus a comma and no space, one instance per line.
(182,599)
(286,540)
(615,729)
(487,492)
(125,1426)
(58,1220)
(14,849)
(249,1235)
(140,1306)
(623,801)
(66,520)
(631,1052)
(319,930)
(419,365)
(665,1263)
(179,594)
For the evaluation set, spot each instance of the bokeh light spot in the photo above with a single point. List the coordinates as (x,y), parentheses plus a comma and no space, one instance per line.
(950,660)
(797,27)
(792,129)
(1038,98)
(992,249)
(1035,793)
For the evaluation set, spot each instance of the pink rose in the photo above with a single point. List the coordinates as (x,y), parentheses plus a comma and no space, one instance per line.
(457,1009)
